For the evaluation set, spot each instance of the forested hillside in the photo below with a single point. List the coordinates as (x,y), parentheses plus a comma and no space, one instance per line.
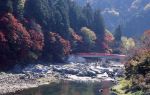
(48,30)
(132,15)
(40,39)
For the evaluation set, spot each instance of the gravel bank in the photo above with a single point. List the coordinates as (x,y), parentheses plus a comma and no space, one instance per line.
(15,82)
(36,75)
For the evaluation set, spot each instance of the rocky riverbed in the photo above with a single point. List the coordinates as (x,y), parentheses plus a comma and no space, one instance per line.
(36,75)
(13,82)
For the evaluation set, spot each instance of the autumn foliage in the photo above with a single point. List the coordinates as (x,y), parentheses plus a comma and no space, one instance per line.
(146,38)
(56,47)
(20,43)
(15,41)
(138,65)
(14,33)
(32,30)
(65,44)
(37,40)
(75,36)
(109,36)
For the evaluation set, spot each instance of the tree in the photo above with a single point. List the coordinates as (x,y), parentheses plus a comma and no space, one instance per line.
(137,69)
(62,19)
(127,43)
(36,35)
(146,38)
(109,36)
(117,42)
(118,34)
(39,10)
(89,15)
(75,13)
(18,44)
(75,41)
(15,41)
(18,7)
(56,48)
(52,15)
(89,38)
(98,25)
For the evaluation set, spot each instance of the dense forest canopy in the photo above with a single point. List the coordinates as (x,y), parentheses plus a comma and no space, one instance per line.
(48,30)
(132,15)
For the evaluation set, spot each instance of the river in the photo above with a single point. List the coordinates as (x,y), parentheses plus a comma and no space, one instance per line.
(69,88)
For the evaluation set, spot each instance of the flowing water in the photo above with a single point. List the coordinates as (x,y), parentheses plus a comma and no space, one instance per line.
(69,88)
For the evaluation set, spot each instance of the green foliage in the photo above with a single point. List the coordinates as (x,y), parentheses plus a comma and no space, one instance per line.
(118,34)
(60,15)
(18,7)
(109,37)
(75,16)
(127,44)
(52,27)
(117,44)
(38,10)
(52,15)
(138,69)
(138,93)
(122,86)
(88,14)
(98,25)
(89,38)
(88,35)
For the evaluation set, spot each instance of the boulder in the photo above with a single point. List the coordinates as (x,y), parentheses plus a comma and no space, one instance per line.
(71,71)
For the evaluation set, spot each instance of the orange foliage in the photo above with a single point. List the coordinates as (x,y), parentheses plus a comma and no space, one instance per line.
(146,39)
(65,44)
(15,41)
(76,37)
(147,33)
(109,37)
(14,31)
(37,40)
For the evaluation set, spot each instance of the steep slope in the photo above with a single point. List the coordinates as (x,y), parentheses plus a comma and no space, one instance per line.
(123,12)
(47,30)
(137,24)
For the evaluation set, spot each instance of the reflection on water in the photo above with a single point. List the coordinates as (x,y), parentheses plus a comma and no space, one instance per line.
(69,88)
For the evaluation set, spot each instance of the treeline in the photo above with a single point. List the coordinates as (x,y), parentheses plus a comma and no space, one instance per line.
(138,67)
(48,30)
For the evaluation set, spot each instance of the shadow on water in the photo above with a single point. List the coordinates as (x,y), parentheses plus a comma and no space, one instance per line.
(68,88)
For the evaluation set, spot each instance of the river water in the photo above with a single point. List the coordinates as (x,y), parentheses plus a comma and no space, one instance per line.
(69,88)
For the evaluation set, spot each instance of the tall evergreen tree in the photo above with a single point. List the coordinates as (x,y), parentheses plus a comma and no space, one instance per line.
(98,25)
(118,34)
(117,41)
(74,15)
(38,10)
(61,24)
(18,7)
(88,13)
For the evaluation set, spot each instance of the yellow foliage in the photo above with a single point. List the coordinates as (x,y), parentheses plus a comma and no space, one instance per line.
(128,43)
(89,33)
(122,85)
(108,36)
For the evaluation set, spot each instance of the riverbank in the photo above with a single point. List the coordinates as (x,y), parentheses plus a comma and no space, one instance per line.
(15,82)
(36,75)
(124,88)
